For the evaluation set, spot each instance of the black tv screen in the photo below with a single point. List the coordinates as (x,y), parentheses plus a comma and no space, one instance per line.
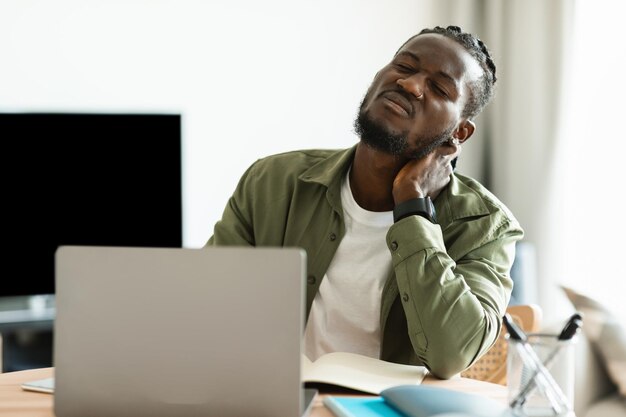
(85,179)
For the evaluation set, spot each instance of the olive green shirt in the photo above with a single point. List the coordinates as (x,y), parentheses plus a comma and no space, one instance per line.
(443,303)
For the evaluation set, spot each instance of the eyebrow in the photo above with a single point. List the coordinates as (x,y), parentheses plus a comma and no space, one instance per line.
(440,73)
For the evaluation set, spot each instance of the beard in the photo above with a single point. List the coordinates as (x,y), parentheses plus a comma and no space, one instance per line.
(377,136)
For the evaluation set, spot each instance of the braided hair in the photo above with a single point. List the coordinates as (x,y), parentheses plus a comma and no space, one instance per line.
(482,90)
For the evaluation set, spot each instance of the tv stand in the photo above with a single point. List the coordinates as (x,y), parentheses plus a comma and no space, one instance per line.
(26,325)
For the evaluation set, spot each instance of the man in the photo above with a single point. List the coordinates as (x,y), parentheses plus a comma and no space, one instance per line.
(389,274)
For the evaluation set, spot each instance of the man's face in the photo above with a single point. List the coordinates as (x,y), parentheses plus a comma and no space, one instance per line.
(415,102)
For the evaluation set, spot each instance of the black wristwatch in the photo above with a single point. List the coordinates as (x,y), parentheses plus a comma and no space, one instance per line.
(417,206)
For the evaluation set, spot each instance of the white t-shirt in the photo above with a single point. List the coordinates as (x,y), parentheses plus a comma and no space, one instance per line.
(345,315)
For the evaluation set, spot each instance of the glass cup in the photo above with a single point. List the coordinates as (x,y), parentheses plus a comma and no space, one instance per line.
(531,389)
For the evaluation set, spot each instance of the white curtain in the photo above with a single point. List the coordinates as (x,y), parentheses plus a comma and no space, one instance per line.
(593,221)
(516,151)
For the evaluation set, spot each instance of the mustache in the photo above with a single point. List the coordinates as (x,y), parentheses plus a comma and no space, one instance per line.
(407,98)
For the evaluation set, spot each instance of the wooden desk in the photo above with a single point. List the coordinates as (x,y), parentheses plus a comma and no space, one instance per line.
(16,402)
(19,403)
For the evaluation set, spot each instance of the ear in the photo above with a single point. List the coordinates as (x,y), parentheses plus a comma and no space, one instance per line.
(464,131)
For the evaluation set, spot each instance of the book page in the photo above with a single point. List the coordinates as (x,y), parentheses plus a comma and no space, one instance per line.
(41,385)
(360,372)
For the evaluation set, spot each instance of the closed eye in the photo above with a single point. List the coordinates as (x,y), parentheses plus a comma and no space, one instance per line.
(439,90)
(404,68)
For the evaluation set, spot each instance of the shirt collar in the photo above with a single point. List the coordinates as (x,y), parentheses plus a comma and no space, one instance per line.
(331,170)
(456,201)
(329,173)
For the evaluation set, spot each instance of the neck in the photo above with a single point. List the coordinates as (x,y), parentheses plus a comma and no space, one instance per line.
(372,176)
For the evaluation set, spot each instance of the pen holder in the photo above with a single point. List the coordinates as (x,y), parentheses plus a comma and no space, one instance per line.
(532,394)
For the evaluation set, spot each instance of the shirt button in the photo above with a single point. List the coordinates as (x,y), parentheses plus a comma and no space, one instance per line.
(332,237)
(394,245)
(310,280)
(405,297)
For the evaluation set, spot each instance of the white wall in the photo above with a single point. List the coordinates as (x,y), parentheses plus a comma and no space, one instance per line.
(250,78)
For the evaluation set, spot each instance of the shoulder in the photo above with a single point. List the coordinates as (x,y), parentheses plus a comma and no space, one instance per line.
(289,167)
(468,200)
(280,174)
(472,217)
(294,161)
(491,201)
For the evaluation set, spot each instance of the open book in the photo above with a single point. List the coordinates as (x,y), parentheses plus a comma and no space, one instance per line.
(359,372)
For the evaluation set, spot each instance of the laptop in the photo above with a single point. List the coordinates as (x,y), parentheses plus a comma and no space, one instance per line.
(184,332)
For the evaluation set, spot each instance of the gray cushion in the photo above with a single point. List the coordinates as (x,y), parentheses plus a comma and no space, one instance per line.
(606,333)
(612,406)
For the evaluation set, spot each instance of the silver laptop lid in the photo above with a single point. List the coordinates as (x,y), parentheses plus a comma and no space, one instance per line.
(184,332)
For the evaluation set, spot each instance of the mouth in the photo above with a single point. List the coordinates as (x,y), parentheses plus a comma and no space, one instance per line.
(397,102)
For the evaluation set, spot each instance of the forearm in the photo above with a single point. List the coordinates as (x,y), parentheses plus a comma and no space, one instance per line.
(453,308)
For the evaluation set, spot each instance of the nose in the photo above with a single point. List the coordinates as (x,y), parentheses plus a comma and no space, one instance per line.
(413,84)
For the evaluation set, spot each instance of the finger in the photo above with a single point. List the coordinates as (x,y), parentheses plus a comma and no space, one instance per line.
(459,148)
(453,147)
(448,153)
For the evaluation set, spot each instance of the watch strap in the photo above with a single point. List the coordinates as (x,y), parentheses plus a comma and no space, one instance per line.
(416,206)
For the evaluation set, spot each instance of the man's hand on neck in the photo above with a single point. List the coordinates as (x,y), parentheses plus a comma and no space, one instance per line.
(380,181)
(419,178)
